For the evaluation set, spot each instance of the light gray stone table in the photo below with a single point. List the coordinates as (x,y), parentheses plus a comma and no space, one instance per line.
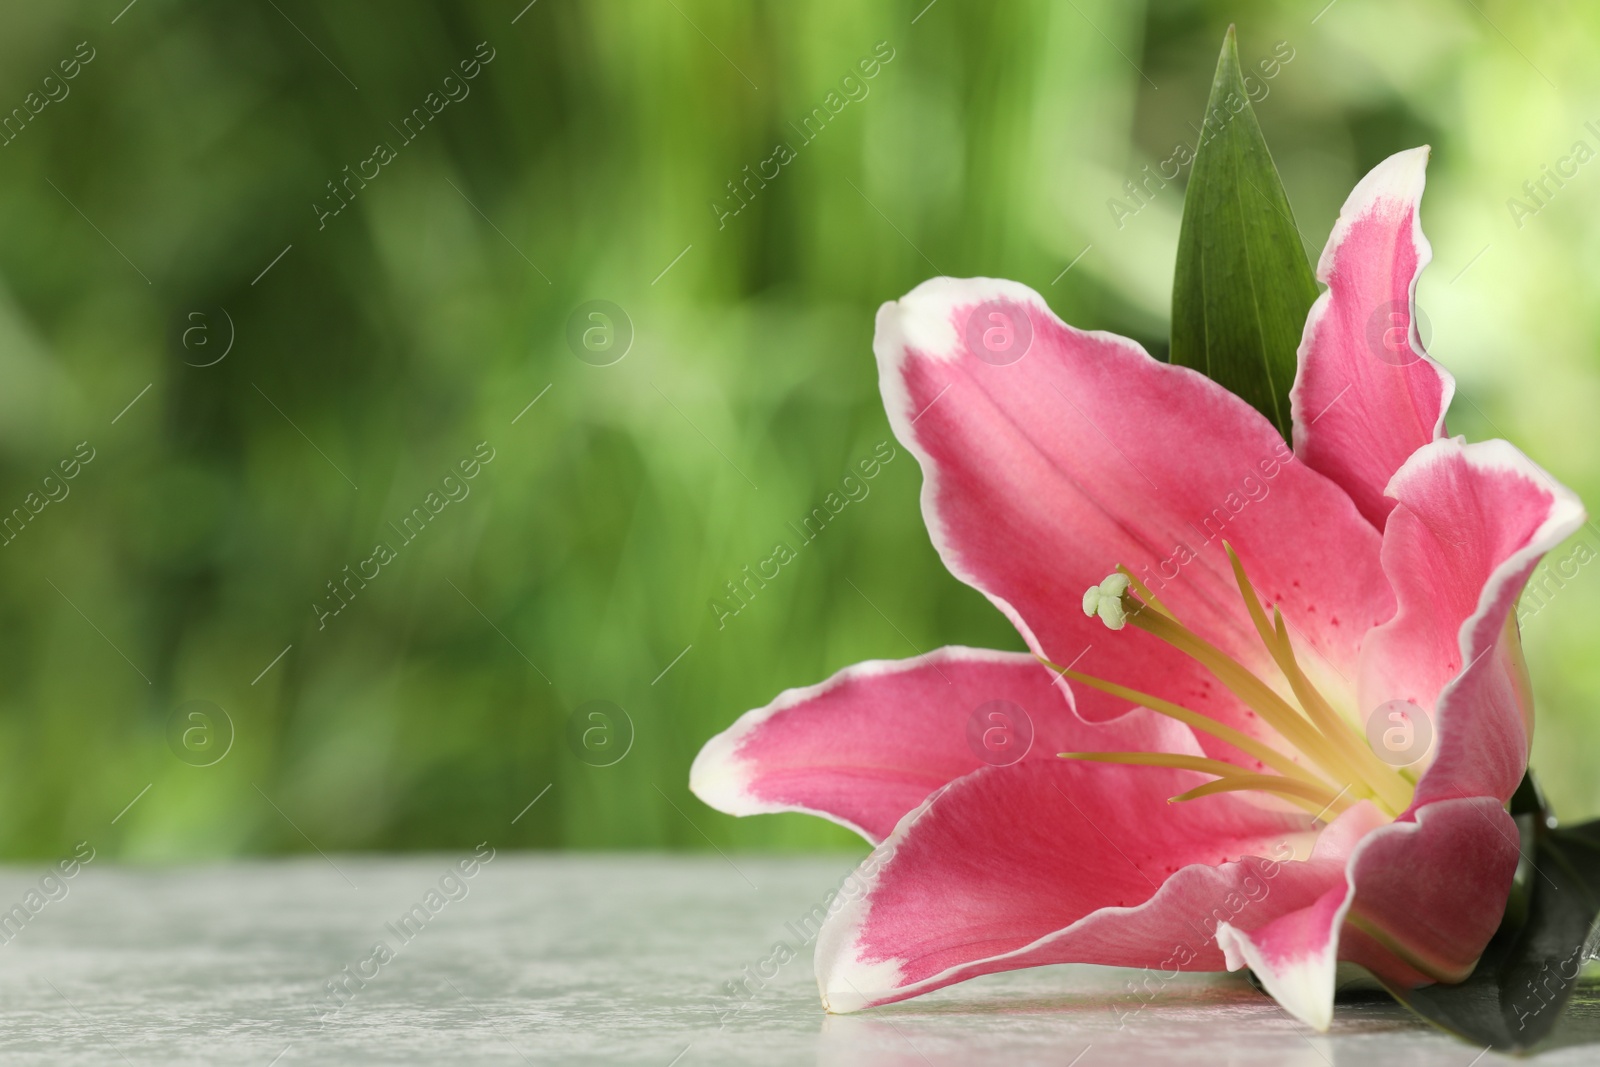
(580,960)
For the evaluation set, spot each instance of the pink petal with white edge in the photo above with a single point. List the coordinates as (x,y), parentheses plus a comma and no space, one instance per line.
(869,744)
(1470,523)
(1044,473)
(1367,395)
(1295,956)
(1422,898)
(1060,862)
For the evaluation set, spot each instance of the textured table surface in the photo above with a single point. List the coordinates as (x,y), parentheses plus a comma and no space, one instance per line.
(574,960)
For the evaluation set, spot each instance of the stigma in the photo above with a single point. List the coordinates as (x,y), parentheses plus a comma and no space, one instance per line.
(1105,600)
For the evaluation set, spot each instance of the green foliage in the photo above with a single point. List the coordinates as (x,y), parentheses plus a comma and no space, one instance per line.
(1243,285)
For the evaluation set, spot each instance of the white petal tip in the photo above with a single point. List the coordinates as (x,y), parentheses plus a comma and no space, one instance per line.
(718,777)
(842,1002)
(1302,987)
(923,319)
(1394,185)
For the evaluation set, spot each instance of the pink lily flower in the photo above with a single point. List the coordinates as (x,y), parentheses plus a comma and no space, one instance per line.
(1248,609)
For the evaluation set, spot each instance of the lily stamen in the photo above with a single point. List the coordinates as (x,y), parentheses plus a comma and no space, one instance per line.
(1258,750)
(1144,592)
(1295,792)
(1314,729)
(1314,797)
(1394,791)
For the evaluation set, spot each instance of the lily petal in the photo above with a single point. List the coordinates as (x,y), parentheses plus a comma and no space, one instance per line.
(1421,900)
(869,744)
(1471,521)
(1049,463)
(1295,956)
(1057,862)
(1367,395)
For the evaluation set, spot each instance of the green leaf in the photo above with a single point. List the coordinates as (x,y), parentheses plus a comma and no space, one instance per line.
(1243,284)
(1522,982)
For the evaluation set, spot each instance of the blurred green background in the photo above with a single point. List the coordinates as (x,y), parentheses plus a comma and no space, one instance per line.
(584,163)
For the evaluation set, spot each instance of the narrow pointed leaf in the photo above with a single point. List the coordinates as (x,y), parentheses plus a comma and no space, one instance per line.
(1243,285)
